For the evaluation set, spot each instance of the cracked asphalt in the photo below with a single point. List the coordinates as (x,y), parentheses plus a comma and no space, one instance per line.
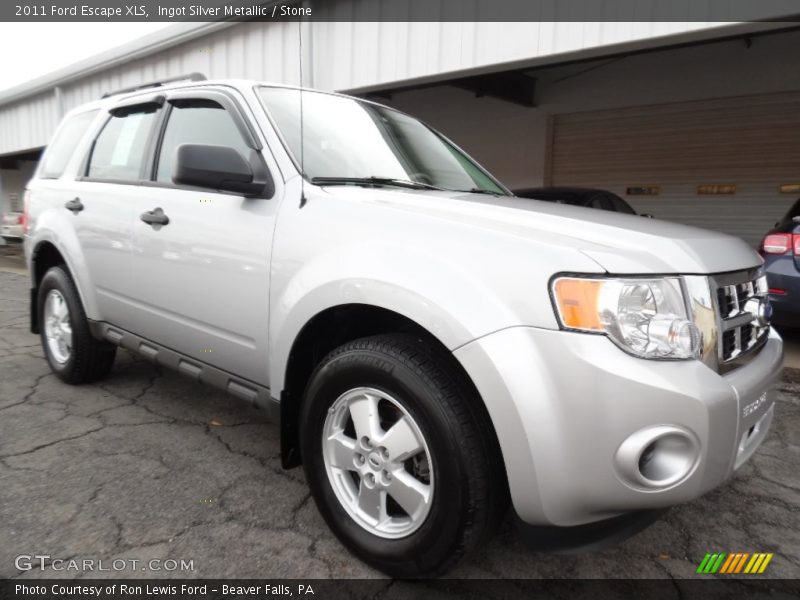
(150,465)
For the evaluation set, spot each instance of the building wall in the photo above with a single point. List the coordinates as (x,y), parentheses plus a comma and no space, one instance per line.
(27,124)
(362,56)
(512,141)
(345,56)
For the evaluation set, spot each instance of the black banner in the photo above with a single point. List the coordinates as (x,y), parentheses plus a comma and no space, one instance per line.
(402,10)
(753,587)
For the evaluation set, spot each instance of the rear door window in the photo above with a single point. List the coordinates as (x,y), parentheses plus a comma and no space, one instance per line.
(62,146)
(119,150)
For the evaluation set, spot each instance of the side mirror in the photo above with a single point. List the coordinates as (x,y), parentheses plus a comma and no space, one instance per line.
(647,216)
(214,167)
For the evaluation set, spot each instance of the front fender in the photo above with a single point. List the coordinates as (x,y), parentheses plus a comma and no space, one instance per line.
(455,310)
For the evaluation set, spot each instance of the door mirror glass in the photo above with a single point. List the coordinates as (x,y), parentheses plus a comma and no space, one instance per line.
(215,167)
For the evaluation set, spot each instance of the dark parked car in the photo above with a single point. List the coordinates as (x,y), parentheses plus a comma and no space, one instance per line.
(781,252)
(588,197)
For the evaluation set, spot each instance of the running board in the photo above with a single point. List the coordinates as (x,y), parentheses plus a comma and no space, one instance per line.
(246,390)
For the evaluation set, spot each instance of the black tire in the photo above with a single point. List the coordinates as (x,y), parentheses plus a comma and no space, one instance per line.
(470,489)
(90,359)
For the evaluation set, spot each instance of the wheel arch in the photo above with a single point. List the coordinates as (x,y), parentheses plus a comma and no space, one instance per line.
(328,330)
(44,256)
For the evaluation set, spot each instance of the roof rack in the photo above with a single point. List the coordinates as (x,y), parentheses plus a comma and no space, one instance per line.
(159,83)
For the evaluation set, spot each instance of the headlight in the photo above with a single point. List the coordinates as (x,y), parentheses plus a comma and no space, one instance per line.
(645,317)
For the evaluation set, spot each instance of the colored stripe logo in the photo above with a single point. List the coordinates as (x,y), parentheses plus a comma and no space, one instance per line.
(735,563)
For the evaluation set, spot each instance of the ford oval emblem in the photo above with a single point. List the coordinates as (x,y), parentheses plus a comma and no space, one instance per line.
(761,309)
(763,312)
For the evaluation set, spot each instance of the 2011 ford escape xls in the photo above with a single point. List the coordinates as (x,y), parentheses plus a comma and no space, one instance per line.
(429,343)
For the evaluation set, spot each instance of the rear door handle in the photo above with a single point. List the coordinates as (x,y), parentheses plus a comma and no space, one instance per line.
(75,205)
(155,217)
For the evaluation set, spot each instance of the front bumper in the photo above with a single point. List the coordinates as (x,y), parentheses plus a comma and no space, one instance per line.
(563,403)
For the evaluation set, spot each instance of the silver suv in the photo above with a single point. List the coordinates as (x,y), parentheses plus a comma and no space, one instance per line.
(430,344)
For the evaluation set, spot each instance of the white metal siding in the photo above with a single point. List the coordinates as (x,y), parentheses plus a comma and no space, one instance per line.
(261,51)
(242,51)
(346,56)
(752,142)
(28,123)
(350,56)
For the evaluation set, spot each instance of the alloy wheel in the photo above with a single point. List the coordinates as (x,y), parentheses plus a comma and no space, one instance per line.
(57,327)
(378,462)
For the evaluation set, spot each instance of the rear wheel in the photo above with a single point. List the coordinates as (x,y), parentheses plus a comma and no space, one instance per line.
(400,458)
(73,354)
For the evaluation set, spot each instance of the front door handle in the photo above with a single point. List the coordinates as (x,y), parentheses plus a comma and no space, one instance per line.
(75,205)
(155,217)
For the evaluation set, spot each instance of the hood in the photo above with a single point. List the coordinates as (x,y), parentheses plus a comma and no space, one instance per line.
(619,243)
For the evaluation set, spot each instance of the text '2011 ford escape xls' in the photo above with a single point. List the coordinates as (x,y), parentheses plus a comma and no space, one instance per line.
(429,343)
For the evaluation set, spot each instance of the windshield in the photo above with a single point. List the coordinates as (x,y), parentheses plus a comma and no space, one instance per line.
(348,141)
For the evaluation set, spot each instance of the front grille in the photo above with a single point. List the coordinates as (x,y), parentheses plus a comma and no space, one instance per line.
(731,297)
(738,298)
(728,344)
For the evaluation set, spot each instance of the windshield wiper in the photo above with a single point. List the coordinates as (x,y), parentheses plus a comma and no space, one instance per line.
(404,183)
(480,191)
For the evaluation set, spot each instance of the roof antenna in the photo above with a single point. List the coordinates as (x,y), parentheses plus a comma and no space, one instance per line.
(302,137)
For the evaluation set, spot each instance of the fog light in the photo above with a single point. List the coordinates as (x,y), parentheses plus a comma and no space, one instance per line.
(647,457)
(667,459)
(657,457)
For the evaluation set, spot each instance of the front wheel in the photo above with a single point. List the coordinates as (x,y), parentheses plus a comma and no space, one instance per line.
(400,458)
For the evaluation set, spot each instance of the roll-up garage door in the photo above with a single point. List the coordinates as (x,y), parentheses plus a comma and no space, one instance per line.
(686,154)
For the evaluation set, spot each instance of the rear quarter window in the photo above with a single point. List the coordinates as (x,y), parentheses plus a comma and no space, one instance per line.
(62,147)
